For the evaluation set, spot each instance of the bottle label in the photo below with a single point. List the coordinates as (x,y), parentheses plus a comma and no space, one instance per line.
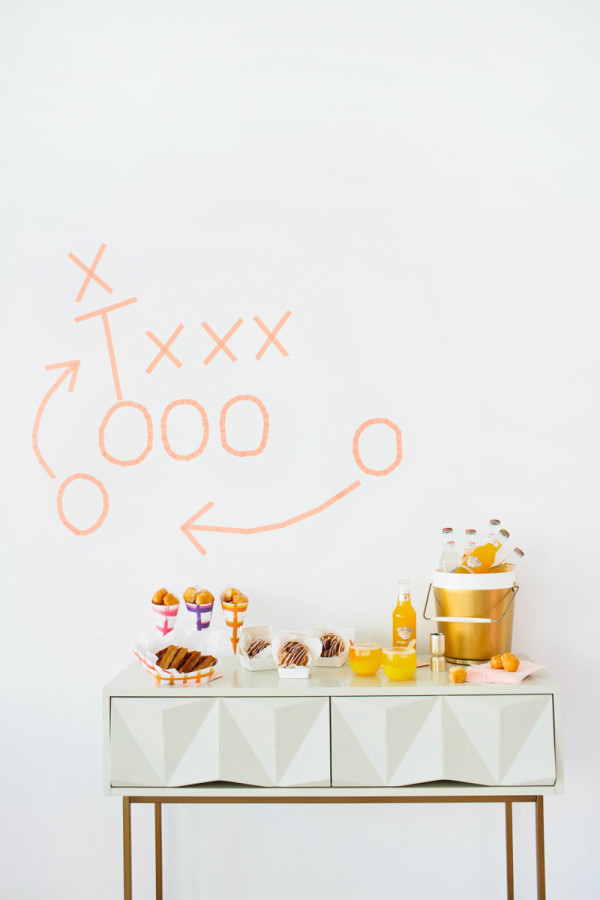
(405,633)
(473,562)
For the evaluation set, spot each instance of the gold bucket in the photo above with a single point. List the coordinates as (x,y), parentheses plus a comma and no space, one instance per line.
(475,613)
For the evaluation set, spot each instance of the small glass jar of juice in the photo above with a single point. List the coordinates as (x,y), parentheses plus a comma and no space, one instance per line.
(399,664)
(365,659)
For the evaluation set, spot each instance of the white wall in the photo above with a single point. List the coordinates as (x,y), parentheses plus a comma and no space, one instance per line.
(417,183)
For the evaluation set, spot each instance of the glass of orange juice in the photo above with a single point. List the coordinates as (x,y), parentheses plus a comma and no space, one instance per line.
(365,659)
(399,664)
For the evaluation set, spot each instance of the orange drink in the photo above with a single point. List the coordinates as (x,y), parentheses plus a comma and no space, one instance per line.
(364,659)
(398,663)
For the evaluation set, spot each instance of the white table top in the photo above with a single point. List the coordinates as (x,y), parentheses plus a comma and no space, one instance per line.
(134,681)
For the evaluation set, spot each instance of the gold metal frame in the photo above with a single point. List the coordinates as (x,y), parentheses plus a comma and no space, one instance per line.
(508,801)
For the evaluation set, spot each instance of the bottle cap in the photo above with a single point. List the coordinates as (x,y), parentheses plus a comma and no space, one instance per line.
(503,533)
(471,531)
(446,530)
(494,522)
(518,551)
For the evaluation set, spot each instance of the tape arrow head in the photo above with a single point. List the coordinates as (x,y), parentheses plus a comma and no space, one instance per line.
(71,368)
(188,527)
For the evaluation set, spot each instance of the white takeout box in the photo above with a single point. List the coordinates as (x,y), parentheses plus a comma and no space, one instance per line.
(313,645)
(334,662)
(263,660)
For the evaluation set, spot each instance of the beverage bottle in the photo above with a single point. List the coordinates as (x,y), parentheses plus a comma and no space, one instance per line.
(404,618)
(511,561)
(494,528)
(470,541)
(482,558)
(450,557)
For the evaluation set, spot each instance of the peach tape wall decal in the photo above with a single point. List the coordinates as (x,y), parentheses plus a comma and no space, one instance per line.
(225,356)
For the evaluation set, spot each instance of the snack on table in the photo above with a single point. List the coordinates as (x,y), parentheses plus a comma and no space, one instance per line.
(457,675)
(507,661)
(191,595)
(293,653)
(232,595)
(510,662)
(180,658)
(332,645)
(256,647)
(164,598)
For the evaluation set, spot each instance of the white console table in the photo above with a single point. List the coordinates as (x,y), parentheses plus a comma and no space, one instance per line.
(251,737)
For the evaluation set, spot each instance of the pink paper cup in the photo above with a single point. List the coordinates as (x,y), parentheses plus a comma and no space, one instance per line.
(165,617)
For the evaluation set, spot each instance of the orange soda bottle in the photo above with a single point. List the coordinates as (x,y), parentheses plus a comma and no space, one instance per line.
(482,558)
(404,618)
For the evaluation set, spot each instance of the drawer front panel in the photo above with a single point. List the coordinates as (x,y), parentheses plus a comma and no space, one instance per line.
(394,741)
(267,742)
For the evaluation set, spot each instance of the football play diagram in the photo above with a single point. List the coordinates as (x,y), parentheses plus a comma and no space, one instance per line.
(191,527)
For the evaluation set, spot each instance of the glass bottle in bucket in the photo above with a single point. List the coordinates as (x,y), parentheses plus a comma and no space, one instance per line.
(405,618)
(470,542)
(482,558)
(494,528)
(450,557)
(511,562)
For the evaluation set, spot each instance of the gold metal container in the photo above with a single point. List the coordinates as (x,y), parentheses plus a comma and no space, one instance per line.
(475,613)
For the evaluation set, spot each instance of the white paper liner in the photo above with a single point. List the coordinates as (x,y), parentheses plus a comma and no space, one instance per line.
(312,644)
(334,662)
(147,645)
(263,660)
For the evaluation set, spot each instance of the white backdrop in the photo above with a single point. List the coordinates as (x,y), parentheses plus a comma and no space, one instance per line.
(416,184)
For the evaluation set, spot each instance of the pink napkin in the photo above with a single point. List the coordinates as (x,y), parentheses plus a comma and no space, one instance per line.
(421,663)
(486,675)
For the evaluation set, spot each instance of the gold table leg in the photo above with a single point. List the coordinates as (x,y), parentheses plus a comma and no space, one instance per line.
(510,882)
(127,848)
(539,838)
(158,849)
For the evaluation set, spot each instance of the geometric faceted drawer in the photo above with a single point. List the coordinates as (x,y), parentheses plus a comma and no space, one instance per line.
(263,741)
(393,741)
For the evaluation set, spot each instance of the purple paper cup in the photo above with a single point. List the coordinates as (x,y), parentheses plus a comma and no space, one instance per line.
(194,609)
(205,613)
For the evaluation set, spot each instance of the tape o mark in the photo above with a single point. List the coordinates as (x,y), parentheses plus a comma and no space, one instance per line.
(150,434)
(61,512)
(356,453)
(163,429)
(223,419)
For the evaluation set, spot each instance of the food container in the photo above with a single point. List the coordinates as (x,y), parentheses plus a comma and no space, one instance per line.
(312,644)
(201,613)
(263,660)
(145,648)
(334,662)
(165,617)
(475,614)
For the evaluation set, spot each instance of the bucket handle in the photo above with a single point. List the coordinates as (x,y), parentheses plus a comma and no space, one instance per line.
(469,619)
